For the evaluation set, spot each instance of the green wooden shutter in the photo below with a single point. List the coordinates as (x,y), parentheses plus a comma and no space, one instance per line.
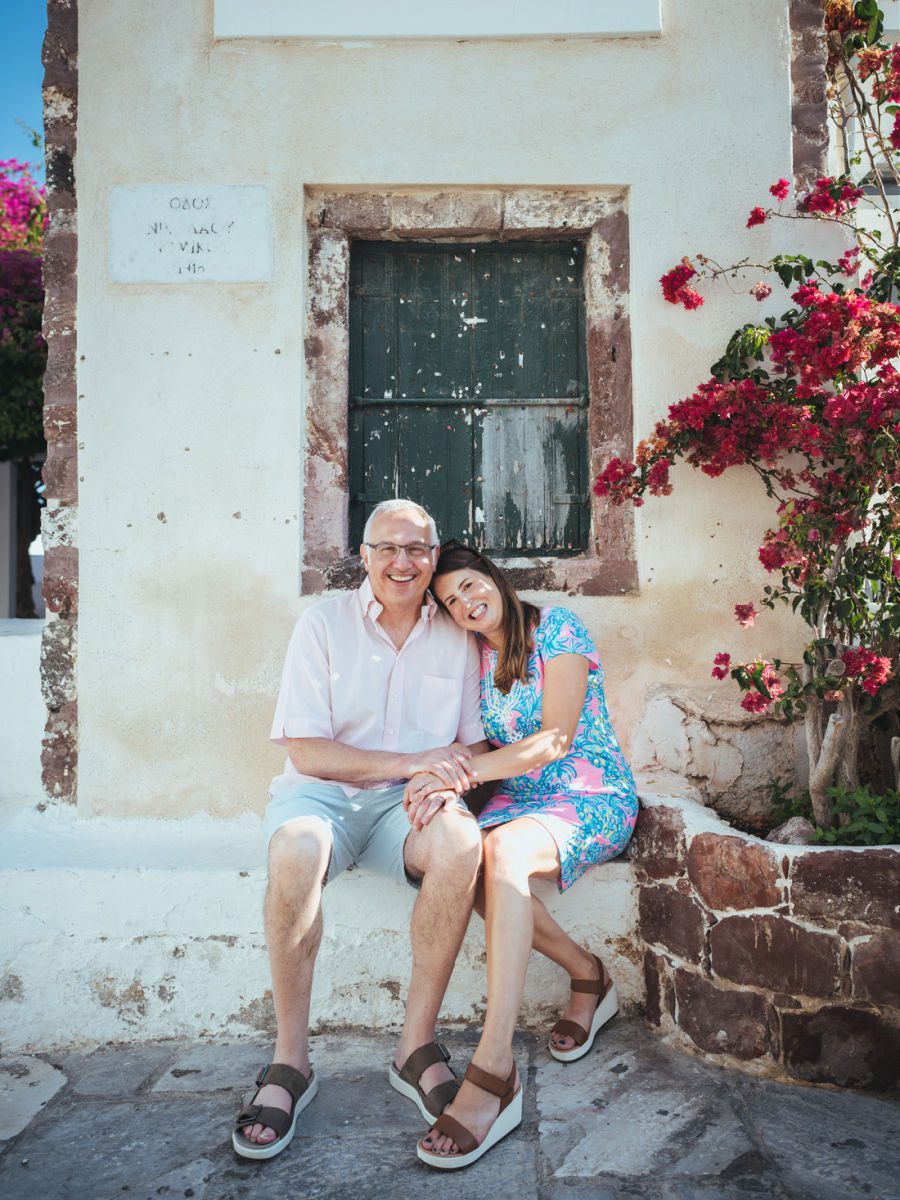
(468,390)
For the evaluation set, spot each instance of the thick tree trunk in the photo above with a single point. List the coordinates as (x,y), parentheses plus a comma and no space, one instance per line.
(822,766)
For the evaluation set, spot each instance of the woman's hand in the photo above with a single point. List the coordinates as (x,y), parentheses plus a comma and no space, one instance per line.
(424,797)
(449,763)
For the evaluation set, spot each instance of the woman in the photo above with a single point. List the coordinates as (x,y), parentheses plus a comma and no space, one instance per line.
(567,801)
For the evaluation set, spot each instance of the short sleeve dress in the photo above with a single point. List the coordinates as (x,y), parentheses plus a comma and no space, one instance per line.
(587,801)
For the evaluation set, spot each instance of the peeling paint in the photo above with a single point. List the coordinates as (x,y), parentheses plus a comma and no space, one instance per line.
(129,1002)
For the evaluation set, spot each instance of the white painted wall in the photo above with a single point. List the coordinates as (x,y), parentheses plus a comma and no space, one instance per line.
(191,398)
(22,715)
(154,930)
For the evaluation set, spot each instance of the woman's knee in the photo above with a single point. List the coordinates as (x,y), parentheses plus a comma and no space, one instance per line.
(506,853)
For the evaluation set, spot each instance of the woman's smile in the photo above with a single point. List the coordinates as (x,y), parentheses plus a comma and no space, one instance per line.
(473,601)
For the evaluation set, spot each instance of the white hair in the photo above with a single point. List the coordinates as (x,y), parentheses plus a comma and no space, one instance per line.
(399,505)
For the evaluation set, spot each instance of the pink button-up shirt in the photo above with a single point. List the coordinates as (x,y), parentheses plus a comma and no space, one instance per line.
(345,680)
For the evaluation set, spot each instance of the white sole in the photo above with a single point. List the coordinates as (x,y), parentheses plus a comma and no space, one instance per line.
(606,1010)
(269,1149)
(411,1093)
(506,1122)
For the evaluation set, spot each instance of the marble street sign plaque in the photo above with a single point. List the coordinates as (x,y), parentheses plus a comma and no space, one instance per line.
(190,233)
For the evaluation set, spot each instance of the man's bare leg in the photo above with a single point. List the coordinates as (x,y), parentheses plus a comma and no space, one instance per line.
(298,860)
(447,853)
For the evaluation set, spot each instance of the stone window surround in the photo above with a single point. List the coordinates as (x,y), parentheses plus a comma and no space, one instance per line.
(598,217)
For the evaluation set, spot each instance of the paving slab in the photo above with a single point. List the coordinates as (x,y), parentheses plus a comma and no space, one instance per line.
(97,1148)
(635,1120)
(26,1085)
(114,1071)
(834,1144)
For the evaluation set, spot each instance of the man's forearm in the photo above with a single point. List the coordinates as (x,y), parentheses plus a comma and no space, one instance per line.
(325,759)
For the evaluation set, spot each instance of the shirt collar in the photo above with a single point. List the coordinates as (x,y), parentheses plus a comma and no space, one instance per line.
(370,607)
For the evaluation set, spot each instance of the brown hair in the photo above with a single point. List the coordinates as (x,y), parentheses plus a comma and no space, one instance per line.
(519,617)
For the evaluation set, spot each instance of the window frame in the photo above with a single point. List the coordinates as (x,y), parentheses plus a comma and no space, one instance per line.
(597,217)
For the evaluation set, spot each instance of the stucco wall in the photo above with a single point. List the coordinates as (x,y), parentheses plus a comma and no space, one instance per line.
(191,396)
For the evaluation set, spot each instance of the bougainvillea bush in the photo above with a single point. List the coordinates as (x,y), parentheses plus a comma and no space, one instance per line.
(22,350)
(811,403)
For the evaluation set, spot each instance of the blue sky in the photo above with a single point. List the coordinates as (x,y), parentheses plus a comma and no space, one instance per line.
(22,25)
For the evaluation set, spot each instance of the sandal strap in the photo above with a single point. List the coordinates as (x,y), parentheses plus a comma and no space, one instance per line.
(420,1060)
(451,1127)
(596,987)
(293,1081)
(272,1118)
(491,1083)
(440,1096)
(577,1033)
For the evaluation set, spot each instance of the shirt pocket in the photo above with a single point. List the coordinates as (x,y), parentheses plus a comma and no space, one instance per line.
(440,705)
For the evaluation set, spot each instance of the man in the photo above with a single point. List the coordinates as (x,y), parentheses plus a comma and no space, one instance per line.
(377,685)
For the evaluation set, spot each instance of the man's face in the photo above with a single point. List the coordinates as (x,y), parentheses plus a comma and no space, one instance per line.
(399,580)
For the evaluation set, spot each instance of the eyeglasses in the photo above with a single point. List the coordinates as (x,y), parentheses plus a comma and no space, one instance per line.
(388,550)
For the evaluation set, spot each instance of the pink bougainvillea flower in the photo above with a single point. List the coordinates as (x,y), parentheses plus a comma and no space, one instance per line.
(894,135)
(745,614)
(848,263)
(895,567)
(675,289)
(761,291)
(755,702)
(758,216)
(723,663)
(780,189)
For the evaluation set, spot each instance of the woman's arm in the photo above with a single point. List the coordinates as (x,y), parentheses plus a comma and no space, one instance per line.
(565,687)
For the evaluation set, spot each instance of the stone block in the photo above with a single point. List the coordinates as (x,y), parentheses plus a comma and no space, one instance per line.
(732,872)
(60,423)
(875,968)
(329,265)
(447,213)
(59,754)
(60,473)
(355,212)
(60,584)
(658,846)
(58,663)
(722,1020)
(527,210)
(653,985)
(769,951)
(830,886)
(850,1047)
(667,918)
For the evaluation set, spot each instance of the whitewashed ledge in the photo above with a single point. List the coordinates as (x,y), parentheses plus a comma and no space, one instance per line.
(118,930)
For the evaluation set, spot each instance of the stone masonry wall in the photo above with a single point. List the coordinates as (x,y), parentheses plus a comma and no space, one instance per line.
(60,585)
(780,960)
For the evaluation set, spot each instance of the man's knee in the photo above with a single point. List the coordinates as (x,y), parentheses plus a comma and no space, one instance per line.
(451,842)
(299,852)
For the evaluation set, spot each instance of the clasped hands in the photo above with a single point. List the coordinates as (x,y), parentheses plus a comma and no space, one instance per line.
(438,777)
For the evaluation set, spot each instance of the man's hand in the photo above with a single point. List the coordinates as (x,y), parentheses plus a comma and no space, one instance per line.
(449,763)
(424,797)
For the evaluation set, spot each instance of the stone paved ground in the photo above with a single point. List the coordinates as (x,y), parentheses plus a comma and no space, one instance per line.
(634,1119)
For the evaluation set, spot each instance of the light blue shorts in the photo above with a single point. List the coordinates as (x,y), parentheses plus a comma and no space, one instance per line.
(369,828)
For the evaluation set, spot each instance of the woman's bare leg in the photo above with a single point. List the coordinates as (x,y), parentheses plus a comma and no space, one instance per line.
(513,854)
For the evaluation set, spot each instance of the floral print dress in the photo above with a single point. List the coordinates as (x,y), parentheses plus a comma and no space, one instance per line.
(587,801)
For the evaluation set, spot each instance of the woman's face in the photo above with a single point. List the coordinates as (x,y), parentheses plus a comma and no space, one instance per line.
(473,601)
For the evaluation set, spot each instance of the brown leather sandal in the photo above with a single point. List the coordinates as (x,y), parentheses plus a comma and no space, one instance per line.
(301,1092)
(470,1150)
(406,1081)
(607,1007)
